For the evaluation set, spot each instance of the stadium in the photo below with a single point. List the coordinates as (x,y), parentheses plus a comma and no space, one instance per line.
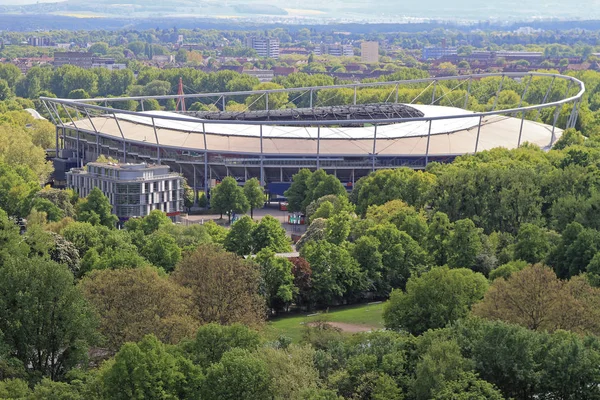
(349,139)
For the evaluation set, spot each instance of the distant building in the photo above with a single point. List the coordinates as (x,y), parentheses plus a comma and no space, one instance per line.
(40,41)
(79,59)
(336,50)
(263,75)
(438,52)
(132,189)
(264,47)
(369,52)
(108,63)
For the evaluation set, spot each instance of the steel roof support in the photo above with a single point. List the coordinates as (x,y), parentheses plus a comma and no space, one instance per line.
(318,146)
(122,136)
(205,162)
(478,132)
(157,142)
(428,139)
(498,93)
(468,93)
(374,146)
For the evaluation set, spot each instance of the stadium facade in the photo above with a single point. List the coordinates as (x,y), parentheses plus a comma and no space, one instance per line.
(348,140)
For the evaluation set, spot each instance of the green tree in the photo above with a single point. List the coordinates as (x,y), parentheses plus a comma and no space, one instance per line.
(438,237)
(240,237)
(147,370)
(45,319)
(227,198)
(277,278)
(532,244)
(464,245)
(270,234)
(335,274)
(255,195)
(467,386)
(96,209)
(213,340)
(440,363)
(162,250)
(434,299)
(240,375)
(298,190)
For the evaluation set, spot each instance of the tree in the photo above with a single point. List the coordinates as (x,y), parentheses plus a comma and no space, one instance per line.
(150,223)
(441,362)
(302,279)
(467,386)
(240,375)
(5,92)
(213,340)
(44,318)
(225,287)
(132,303)
(162,250)
(336,276)
(382,186)
(291,370)
(438,237)
(227,198)
(464,245)
(99,48)
(536,299)
(240,238)
(434,299)
(297,192)
(147,370)
(277,278)
(255,194)
(96,209)
(181,56)
(270,234)
(189,196)
(532,244)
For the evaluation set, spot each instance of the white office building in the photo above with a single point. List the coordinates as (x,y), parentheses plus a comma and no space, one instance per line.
(133,189)
(265,47)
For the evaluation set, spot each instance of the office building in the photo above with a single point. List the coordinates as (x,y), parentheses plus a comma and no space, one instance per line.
(434,53)
(369,52)
(264,47)
(79,59)
(132,189)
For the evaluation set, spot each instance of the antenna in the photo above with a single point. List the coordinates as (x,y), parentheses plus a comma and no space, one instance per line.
(180,100)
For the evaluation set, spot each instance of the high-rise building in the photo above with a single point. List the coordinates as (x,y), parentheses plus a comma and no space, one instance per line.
(132,189)
(265,47)
(369,52)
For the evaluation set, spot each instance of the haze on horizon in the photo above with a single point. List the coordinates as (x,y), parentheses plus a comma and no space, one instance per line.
(358,10)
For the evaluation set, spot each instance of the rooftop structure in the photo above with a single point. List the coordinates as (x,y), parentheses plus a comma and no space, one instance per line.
(132,189)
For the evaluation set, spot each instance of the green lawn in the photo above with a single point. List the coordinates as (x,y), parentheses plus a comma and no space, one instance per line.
(368,315)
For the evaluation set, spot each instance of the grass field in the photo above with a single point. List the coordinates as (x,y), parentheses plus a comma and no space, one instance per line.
(359,316)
